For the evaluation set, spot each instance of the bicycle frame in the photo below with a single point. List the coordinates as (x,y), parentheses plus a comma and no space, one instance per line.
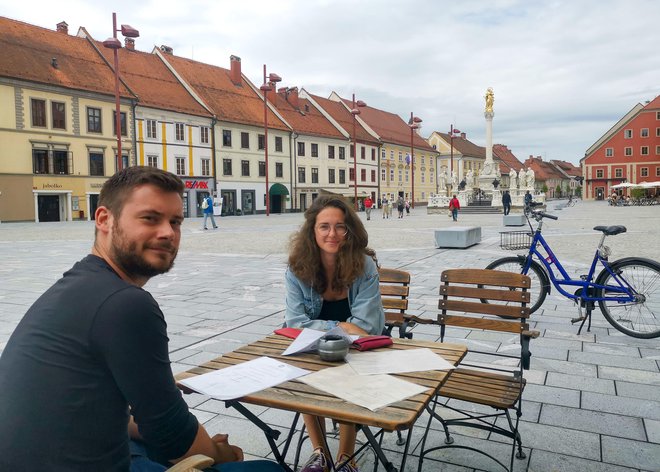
(588,287)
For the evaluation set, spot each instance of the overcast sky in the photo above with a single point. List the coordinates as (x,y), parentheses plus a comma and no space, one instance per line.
(563,72)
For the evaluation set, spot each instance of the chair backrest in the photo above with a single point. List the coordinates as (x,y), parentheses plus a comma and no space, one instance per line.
(474,295)
(394,291)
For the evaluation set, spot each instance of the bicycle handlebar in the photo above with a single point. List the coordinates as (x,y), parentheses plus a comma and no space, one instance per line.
(546,215)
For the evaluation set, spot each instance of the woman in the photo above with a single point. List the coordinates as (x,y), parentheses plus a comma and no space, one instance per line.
(332,280)
(454,206)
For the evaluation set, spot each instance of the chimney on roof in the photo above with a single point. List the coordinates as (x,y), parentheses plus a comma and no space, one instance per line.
(62,27)
(235,70)
(129,43)
(292,97)
(463,136)
(166,49)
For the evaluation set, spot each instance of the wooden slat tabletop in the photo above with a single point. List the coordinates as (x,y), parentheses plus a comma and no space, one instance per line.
(300,397)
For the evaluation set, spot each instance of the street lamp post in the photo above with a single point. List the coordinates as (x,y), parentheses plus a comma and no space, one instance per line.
(355,111)
(452,133)
(265,88)
(114,44)
(414,124)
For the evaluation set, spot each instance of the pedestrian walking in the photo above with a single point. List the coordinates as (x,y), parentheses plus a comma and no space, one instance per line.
(506,202)
(386,205)
(528,198)
(368,203)
(207,208)
(400,205)
(454,206)
(407,207)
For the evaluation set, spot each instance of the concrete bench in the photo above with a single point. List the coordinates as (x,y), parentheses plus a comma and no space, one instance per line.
(514,219)
(458,236)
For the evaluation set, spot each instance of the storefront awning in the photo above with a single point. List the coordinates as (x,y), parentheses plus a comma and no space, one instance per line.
(278,189)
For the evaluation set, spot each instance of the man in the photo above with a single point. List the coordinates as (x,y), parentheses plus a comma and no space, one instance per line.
(506,202)
(454,206)
(528,198)
(207,208)
(88,364)
(368,203)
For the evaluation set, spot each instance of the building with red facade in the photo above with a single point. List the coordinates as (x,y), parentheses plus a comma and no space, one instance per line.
(628,152)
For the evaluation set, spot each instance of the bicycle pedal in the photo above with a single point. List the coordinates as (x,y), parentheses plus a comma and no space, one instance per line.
(577,320)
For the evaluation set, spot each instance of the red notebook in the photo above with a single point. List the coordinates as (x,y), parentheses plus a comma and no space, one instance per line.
(288,332)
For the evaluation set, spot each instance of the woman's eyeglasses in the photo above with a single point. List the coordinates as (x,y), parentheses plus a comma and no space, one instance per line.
(324,229)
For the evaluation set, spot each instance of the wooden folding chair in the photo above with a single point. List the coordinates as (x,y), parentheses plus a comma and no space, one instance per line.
(394,291)
(488,384)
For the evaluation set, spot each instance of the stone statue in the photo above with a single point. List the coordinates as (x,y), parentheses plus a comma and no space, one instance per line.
(469,178)
(487,169)
(442,179)
(454,179)
(462,185)
(522,178)
(490,99)
(496,183)
(512,178)
(530,177)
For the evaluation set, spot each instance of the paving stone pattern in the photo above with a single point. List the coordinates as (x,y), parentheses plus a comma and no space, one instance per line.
(592,401)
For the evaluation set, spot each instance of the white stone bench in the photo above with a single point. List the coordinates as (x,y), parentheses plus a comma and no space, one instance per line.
(514,219)
(458,236)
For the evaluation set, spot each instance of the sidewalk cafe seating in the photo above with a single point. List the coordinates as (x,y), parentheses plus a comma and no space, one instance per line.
(489,384)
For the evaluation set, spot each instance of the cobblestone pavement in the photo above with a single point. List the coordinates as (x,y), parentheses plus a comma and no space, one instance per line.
(592,401)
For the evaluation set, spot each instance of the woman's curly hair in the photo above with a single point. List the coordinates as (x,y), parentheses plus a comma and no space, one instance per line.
(305,255)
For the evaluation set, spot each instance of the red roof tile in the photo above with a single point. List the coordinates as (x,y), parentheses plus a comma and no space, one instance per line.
(568,168)
(27,53)
(154,84)
(306,119)
(342,116)
(390,127)
(465,146)
(507,160)
(543,170)
(229,102)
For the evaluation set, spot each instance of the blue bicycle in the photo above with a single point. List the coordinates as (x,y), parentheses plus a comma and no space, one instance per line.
(627,290)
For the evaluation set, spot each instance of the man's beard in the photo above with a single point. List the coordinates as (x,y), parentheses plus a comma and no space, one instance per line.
(131,263)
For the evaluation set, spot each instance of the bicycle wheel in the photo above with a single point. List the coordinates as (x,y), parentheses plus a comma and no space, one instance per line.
(538,289)
(640,319)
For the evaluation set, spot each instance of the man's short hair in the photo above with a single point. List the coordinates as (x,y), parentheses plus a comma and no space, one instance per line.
(118,188)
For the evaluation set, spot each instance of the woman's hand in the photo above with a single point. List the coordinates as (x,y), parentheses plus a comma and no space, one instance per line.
(351,328)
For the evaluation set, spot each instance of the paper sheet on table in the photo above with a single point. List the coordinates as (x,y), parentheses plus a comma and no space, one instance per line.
(308,340)
(369,391)
(394,361)
(242,379)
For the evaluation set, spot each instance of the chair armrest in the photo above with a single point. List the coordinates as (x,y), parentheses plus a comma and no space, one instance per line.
(525,355)
(533,334)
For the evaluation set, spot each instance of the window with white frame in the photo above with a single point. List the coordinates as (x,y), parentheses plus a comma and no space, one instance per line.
(179,131)
(644,133)
(657,150)
(644,150)
(383,175)
(278,143)
(363,175)
(315,150)
(392,175)
(279,169)
(181,166)
(301,175)
(628,133)
(226,167)
(383,154)
(301,149)
(58,113)
(206,167)
(315,175)
(152,161)
(618,173)
(423,177)
(431,177)
(373,175)
(151,129)
(657,132)
(400,175)
(204,134)
(331,152)
(226,137)
(644,172)
(342,176)
(245,168)
(407,175)
(342,152)
(599,173)
(400,156)
(627,151)
(657,171)
(331,176)
(38,107)
(609,152)
(245,140)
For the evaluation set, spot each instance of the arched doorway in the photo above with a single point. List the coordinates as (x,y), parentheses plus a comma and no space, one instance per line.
(278,193)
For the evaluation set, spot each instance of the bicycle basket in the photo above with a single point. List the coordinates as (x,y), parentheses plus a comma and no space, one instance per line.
(513,240)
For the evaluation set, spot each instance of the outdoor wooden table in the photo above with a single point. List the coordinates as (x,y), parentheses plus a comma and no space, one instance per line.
(301,398)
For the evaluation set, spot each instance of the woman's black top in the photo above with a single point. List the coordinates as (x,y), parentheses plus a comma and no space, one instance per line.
(335,310)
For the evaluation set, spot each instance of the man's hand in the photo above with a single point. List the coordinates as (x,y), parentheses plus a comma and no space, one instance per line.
(225,452)
(351,328)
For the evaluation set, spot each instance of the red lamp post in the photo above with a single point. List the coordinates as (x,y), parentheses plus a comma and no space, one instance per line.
(355,111)
(414,124)
(265,88)
(114,44)
(453,132)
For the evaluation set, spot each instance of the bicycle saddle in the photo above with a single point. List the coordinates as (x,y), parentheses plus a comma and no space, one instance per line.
(611,230)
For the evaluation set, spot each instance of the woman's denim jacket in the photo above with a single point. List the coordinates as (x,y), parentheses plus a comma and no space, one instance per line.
(303,303)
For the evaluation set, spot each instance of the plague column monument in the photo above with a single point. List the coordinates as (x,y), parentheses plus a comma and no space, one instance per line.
(490,171)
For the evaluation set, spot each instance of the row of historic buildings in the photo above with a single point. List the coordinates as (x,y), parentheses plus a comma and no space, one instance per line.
(204,123)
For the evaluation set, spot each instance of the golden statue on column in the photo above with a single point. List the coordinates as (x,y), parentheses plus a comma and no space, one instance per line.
(490,99)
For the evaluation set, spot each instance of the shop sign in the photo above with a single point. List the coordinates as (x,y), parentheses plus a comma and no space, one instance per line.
(193,184)
(51,186)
